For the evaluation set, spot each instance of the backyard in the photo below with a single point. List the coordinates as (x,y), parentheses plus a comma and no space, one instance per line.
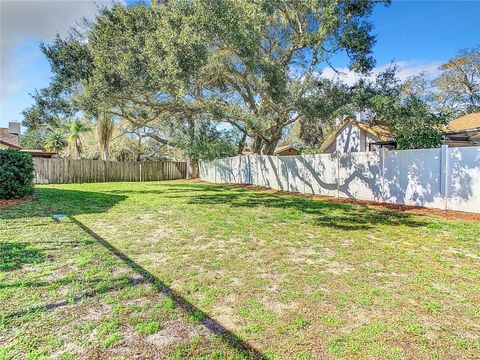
(185,269)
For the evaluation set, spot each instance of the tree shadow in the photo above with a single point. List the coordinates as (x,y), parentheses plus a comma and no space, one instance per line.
(343,216)
(14,255)
(166,189)
(58,282)
(118,284)
(406,177)
(61,201)
(181,303)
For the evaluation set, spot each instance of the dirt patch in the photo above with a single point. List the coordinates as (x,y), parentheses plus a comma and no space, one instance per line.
(5,204)
(174,331)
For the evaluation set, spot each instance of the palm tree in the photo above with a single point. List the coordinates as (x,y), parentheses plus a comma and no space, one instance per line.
(76,128)
(105,126)
(56,141)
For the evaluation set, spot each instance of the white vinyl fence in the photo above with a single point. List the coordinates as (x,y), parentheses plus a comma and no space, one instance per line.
(443,178)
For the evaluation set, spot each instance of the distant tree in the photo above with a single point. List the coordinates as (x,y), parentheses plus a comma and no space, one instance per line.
(411,122)
(105,127)
(459,81)
(455,91)
(76,128)
(209,143)
(330,101)
(34,139)
(56,141)
(326,102)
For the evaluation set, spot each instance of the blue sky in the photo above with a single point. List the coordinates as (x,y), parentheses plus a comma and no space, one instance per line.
(417,35)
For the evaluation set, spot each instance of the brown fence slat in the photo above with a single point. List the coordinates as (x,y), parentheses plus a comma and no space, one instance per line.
(63,171)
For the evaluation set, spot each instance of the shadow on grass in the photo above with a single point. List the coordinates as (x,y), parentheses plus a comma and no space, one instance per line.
(69,202)
(14,255)
(55,283)
(170,188)
(180,302)
(119,284)
(343,216)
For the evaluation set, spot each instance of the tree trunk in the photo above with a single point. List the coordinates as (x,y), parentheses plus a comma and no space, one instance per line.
(257,145)
(105,151)
(270,147)
(241,144)
(78,145)
(272,144)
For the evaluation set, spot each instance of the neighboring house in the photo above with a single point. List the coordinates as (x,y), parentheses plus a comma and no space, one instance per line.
(40,153)
(355,136)
(5,145)
(286,150)
(464,131)
(10,139)
(279,151)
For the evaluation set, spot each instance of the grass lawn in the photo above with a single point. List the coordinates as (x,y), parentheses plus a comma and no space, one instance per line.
(183,269)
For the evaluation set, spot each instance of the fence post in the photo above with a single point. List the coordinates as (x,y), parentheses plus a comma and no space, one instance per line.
(256,168)
(444,174)
(249,167)
(215,173)
(188,172)
(304,174)
(338,173)
(382,162)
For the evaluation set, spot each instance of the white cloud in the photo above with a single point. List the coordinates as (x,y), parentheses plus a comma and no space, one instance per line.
(35,19)
(405,69)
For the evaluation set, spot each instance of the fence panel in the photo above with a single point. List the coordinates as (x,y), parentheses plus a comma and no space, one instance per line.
(437,178)
(360,176)
(320,174)
(463,179)
(413,177)
(63,171)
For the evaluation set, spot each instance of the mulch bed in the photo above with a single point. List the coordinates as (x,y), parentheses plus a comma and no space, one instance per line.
(447,214)
(4,204)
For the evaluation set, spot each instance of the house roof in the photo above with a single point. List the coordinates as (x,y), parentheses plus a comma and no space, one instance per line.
(11,146)
(39,153)
(7,137)
(247,151)
(280,149)
(466,122)
(378,131)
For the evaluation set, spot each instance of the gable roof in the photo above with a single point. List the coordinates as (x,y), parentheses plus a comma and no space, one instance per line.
(466,122)
(279,149)
(378,131)
(247,151)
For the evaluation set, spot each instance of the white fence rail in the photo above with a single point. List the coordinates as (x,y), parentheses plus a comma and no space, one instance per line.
(444,178)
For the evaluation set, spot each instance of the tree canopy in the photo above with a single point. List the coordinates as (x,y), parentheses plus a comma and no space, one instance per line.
(245,63)
(175,72)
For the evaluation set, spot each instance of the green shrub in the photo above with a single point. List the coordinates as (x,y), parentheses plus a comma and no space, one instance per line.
(16,174)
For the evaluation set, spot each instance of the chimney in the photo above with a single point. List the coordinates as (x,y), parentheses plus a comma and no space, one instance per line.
(362,117)
(14,128)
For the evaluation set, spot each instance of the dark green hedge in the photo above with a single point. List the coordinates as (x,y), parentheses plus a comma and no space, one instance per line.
(16,174)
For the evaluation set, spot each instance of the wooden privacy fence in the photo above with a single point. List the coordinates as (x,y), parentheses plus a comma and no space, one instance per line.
(62,171)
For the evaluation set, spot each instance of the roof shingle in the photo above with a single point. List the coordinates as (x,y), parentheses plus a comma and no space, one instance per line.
(466,122)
